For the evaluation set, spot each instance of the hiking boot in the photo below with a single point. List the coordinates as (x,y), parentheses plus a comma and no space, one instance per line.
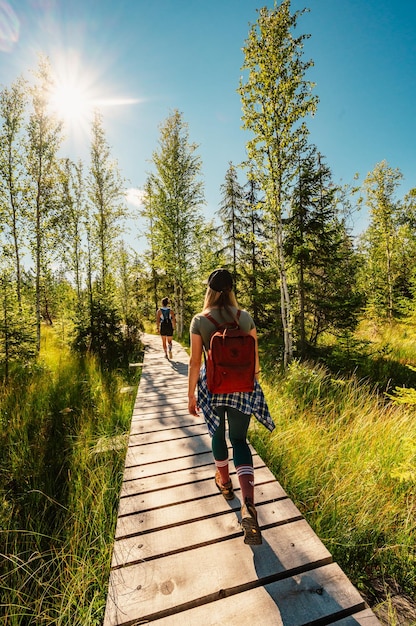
(249,524)
(227,489)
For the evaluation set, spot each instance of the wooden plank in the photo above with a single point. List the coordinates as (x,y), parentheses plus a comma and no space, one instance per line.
(317,594)
(150,412)
(363,618)
(166,450)
(189,446)
(159,399)
(134,472)
(171,391)
(160,407)
(159,402)
(155,468)
(160,585)
(153,423)
(167,434)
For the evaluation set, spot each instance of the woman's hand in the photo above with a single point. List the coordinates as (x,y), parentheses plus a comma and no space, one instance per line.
(192,406)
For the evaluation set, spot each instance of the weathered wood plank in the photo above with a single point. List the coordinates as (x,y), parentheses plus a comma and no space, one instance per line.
(363,618)
(317,594)
(170,391)
(162,584)
(147,413)
(134,472)
(161,401)
(153,423)
(189,446)
(168,433)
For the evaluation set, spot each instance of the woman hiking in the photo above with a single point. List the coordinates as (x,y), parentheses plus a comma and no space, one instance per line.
(221,306)
(165,323)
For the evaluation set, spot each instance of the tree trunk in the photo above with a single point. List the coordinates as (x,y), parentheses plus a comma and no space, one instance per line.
(38,267)
(302,333)
(284,300)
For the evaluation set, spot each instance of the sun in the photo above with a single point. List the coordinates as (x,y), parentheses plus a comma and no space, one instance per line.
(76,92)
(70,102)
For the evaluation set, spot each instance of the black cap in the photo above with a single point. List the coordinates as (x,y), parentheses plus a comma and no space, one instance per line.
(220,280)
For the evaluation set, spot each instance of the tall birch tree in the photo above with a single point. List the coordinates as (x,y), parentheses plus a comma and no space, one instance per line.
(44,137)
(275,98)
(12,109)
(105,191)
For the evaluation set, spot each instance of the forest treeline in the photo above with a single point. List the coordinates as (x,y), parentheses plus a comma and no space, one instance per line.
(282,226)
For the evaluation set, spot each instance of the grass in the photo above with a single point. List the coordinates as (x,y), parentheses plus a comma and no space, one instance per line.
(59,487)
(347,457)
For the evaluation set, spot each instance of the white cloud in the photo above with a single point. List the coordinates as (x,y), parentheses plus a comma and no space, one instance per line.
(135,196)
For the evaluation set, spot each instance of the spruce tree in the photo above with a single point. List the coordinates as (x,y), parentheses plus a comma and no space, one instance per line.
(230,214)
(177,197)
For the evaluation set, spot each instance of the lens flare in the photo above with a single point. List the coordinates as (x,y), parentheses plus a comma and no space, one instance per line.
(9,27)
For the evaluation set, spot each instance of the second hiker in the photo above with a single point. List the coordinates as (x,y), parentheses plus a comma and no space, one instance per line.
(165,322)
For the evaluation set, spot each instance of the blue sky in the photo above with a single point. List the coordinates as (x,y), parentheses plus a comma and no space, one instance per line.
(143,59)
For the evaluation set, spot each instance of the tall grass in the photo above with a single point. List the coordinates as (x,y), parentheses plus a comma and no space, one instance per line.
(60,477)
(347,457)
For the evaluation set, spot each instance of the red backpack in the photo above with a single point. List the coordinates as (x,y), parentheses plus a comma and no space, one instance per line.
(231,358)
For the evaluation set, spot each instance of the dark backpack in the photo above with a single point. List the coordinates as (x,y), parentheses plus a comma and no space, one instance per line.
(231,358)
(166,322)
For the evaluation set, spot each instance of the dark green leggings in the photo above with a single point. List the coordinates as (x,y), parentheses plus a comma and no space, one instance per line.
(237,431)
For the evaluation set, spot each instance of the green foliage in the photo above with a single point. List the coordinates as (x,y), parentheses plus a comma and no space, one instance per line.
(44,137)
(105,193)
(321,256)
(17,332)
(384,244)
(102,334)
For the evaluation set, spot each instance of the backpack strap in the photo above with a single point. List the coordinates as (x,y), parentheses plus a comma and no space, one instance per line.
(212,320)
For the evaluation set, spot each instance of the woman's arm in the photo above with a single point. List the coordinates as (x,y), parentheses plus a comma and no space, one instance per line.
(253,333)
(193,371)
(173,318)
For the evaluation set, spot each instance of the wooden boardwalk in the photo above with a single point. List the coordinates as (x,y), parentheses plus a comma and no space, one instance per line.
(179,557)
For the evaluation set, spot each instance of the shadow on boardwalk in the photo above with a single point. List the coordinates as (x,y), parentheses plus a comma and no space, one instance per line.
(179,557)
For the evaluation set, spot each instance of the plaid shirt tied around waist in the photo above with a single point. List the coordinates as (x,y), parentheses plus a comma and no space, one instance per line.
(250,403)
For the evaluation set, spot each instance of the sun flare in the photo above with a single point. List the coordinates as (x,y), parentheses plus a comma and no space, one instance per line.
(77,92)
(70,102)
